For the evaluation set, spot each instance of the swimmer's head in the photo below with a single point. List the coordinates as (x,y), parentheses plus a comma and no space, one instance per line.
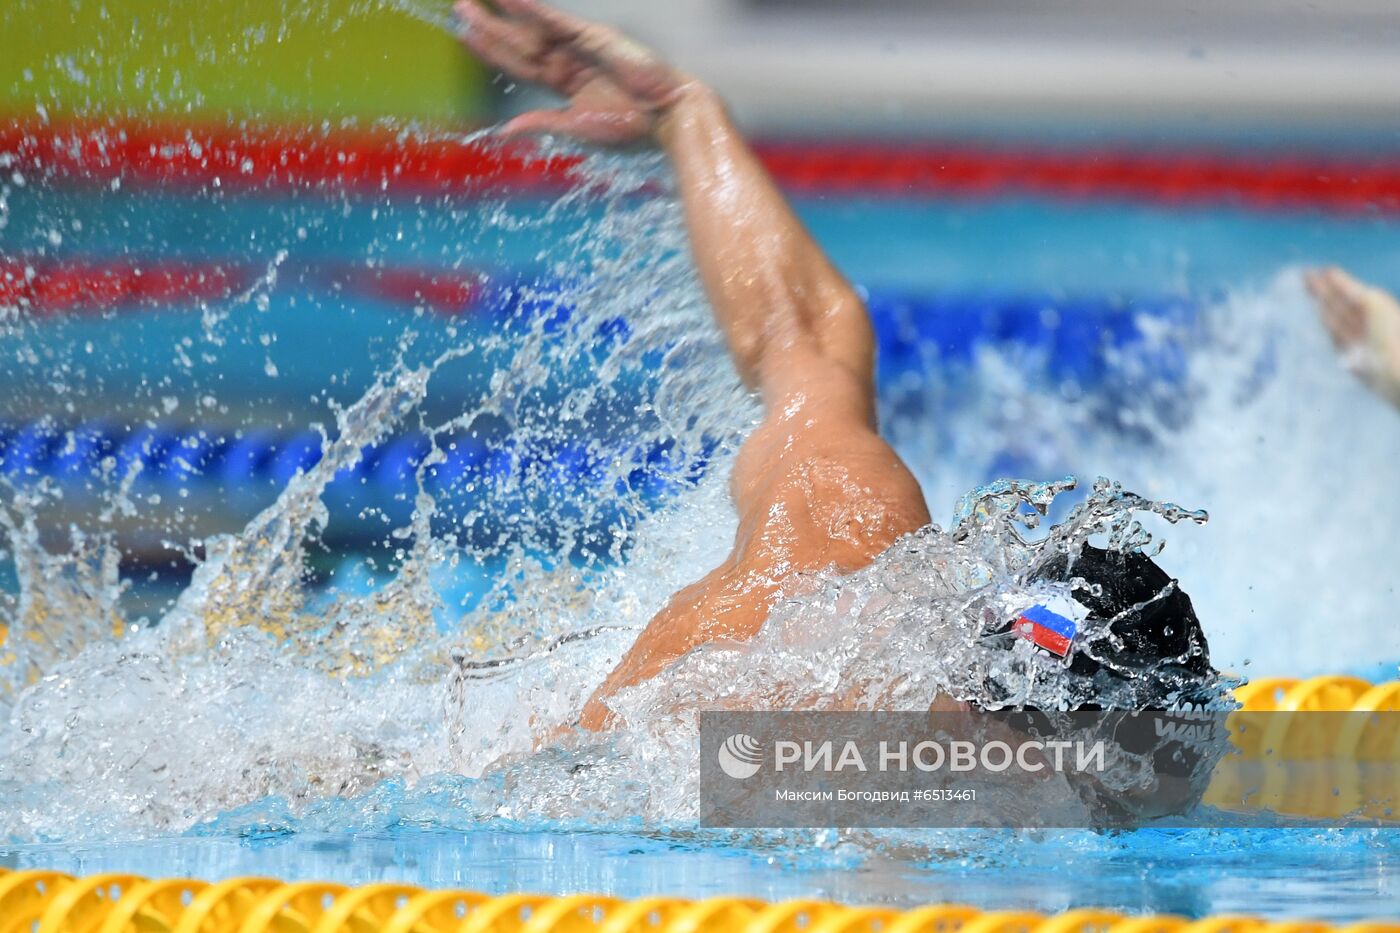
(1140,625)
(1134,642)
(1138,646)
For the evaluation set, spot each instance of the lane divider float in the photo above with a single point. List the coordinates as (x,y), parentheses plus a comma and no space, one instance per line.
(1076,332)
(1294,760)
(51,902)
(277,157)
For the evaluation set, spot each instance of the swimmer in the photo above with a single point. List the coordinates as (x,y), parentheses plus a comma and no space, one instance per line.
(815,486)
(1364,322)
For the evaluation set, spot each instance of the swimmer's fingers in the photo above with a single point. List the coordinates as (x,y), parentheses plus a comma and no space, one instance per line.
(523,50)
(1341,302)
(500,43)
(617,87)
(1339,314)
(1337,283)
(636,68)
(606,127)
(1365,324)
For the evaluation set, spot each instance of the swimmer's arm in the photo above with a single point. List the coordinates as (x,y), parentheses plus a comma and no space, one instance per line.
(783,307)
(775,293)
(1364,323)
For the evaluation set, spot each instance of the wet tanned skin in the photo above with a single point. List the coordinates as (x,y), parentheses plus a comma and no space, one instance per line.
(815,486)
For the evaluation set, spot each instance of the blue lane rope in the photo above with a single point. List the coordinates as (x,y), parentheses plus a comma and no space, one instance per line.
(202,461)
(1075,333)
(1075,336)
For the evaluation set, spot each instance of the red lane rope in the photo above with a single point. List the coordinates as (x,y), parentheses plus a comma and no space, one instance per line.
(286,157)
(442,291)
(47,287)
(273,157)
(55,287)
(1169,179)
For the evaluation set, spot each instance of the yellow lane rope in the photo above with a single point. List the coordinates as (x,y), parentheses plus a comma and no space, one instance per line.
(51,902)
(1355,757)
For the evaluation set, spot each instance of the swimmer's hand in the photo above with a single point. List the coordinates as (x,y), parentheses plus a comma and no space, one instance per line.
(1365,326)
(618,91)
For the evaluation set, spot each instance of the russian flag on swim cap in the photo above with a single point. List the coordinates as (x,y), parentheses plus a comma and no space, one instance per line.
(1048,629)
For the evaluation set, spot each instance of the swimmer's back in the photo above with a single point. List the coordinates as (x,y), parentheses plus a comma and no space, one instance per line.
(815,487)
(815,480)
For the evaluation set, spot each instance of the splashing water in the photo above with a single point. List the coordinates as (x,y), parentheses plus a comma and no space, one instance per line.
(1236,409)
(251,648)
(264,696)
(255,684)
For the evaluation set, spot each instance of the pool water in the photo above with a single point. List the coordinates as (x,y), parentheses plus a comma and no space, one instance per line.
(1338,877)
(1012,343)
(1206,381)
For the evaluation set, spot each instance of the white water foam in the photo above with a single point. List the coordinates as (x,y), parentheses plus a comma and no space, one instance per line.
(1263,426)
(255,685)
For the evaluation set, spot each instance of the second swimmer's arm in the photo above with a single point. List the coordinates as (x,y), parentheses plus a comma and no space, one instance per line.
(1364,322)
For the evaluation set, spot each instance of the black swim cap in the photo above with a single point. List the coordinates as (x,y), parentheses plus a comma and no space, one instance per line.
(1153,657)
(1153,630)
